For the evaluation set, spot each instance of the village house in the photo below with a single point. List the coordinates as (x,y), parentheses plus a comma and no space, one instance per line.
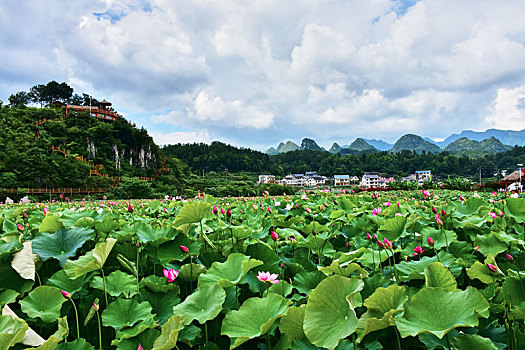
(299,180)
(267,179)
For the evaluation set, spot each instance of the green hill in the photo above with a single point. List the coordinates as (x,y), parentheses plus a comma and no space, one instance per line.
(361,145)
(473,148)
(335,148)
(310,145)
(411,142)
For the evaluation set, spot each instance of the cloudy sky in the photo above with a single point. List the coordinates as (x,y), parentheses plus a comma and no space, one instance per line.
(254,73)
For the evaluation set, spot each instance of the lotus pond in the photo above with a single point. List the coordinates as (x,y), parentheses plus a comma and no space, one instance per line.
(397,270)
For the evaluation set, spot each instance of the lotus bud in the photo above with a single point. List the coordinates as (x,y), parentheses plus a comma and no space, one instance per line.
(368,237)
(66,294)
(509,257)
(419,250)
(492,268)
(184,248)
(228,213)
(140,347)
(443,212)
(434,210)
(223,211)
(20,227)
(381,244)
(313,232)
(130,208)
(438,220)
(387,243)
(308,210)
(274,235)
(430,241)
(476,248)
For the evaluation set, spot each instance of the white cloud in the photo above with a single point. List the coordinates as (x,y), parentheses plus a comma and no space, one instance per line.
(180,137)
(508,109)
(214,110)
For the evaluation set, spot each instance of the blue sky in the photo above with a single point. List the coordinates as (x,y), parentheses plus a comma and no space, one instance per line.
(254,73)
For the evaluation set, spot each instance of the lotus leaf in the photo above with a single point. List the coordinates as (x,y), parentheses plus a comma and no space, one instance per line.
(91,261)
(203,305)
(515,208)
(329,314)
(170,332)
(23,262)
(50,224)
(253,319)
(11,331)
(472,341)
(192,213)
(490,244)
(125,313)
(117,283)
(43,302)
(438,311)
(229,273)
(437,275)
(292,323)
(382,305)
(62,244)
(304,282)
(392,229)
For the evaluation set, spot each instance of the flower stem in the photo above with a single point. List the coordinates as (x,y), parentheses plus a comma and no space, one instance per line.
(397,338)
(99,332)
(138,262)
(105,289)
(446,239)
(437,256)
(76,317)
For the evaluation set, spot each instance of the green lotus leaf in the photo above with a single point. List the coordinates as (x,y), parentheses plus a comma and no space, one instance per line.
(253,319)
(52,342)
(515,208)
(472,341)
(170,332)
(203,305)
(8,246)
(10,279)
(11,331)
(170,251)
(282,288)
(469,208)
(78,344)
(133,331)
(189,334)
(392,229)
(8,226)
(229,273)
(367,257)
(437,311)
(59,279)
(192,213)
(43,302)
(50,224)
(145,339)
(292,323)
(159,284)
(345,270)
(264,253)
(91,261)
(437,275)
(481,272)
(329,314)
(382,305)
(439,236)
(489,244)
(23,262)
(107,225)
(73,218)
(125,313)
(150,235)
(8,296)
(304,282)
(415,269)
(162,304)
(191,272)
(513,290)
(62,244)
(117,283)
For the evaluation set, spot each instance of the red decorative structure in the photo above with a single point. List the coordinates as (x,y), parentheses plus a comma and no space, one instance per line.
(101,112)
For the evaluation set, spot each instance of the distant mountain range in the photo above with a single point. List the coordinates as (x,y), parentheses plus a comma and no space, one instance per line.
(468,142)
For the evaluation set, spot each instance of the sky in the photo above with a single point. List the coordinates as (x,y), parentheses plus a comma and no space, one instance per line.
(258,72)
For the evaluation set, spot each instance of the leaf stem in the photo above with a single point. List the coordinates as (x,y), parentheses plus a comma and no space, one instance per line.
(76,317)
(99,331)
(105,289)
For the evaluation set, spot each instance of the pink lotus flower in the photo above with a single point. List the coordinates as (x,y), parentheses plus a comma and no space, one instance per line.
(387,243)
(492,267)
(438,220)
(493,214)
(223,211)
(130,208)
(274,235)
(66,294)
(140,347)
(430,241)
(20,227)
(184,248)
(419,250)
(425,193)
(170,274)
(381,244)
(269,209)
(266,277)
(443,212)
(308,210)
(387,204)
(376,211)
(398,214)
(476,248)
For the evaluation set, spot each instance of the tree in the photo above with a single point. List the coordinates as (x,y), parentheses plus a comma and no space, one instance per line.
(55,92)
(37,94)
(19,99)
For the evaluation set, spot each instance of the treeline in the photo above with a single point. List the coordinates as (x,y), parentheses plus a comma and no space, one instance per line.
(220,157)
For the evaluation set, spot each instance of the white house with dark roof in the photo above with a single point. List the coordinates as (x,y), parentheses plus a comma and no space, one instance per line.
(341,180)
